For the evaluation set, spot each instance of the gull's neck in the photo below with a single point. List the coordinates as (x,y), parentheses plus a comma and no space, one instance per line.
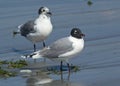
(43,16)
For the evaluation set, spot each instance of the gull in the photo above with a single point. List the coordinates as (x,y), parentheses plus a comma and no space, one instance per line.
(37,30)
(63,49)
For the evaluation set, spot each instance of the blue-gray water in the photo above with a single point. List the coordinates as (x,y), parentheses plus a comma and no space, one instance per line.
(99,61)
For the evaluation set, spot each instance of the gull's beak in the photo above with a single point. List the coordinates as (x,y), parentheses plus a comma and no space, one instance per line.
(49,13)
(82,34)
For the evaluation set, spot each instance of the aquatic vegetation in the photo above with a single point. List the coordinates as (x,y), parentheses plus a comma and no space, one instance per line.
(89,2)
(4,73)
(3,62)
(5,67)
(17,64)
(8,68)
(75,68)
(56,69)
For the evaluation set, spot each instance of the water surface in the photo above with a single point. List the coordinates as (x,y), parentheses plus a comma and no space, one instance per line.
(99,61)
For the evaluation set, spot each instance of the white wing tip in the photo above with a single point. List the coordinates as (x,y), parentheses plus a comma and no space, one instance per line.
(20,26)
(24,57)
(34,55)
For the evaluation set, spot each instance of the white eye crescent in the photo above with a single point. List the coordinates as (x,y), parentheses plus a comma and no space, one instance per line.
(75,31)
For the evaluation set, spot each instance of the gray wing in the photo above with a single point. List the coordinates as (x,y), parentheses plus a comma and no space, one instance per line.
(57,48)
(27,28)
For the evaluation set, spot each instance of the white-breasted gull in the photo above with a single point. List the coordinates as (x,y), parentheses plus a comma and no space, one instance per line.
(62,49)
(37,30)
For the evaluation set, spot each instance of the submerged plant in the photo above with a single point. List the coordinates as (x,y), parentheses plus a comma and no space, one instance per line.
(89,2)
(75,68)
(4,65)
(56,69)
(3,62)
(17,64)
(5,73)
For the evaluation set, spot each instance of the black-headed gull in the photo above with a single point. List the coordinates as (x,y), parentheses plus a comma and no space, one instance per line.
(39,29)
(62,49)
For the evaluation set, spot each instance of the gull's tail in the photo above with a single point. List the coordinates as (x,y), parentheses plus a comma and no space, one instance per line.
(18,31)
(34,55)
(15,33)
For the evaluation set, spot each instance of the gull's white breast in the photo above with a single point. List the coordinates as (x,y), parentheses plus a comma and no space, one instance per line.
(43,28)
(78,45)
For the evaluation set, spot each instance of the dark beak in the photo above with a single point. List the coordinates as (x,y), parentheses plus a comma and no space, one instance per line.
(83,35)
(49,13)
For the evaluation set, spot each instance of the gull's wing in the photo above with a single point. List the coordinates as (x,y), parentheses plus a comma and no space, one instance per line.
(27,28)
(59,47)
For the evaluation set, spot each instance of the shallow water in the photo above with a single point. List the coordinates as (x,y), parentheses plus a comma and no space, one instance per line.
(99,61)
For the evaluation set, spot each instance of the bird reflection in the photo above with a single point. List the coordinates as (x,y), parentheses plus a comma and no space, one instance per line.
(68,76)
(43,75)
(42,79)
(38,79)
(56,70)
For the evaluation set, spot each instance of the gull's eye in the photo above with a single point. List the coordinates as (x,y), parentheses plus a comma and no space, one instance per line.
(75,32)
(43,10)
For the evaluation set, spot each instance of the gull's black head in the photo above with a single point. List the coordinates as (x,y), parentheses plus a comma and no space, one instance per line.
(44,10)
(77,33)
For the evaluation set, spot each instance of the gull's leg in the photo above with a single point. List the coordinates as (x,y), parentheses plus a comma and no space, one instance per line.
(34,47)
(61,66)
(69,69)
(34,51)
(44,45)
(61,70)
